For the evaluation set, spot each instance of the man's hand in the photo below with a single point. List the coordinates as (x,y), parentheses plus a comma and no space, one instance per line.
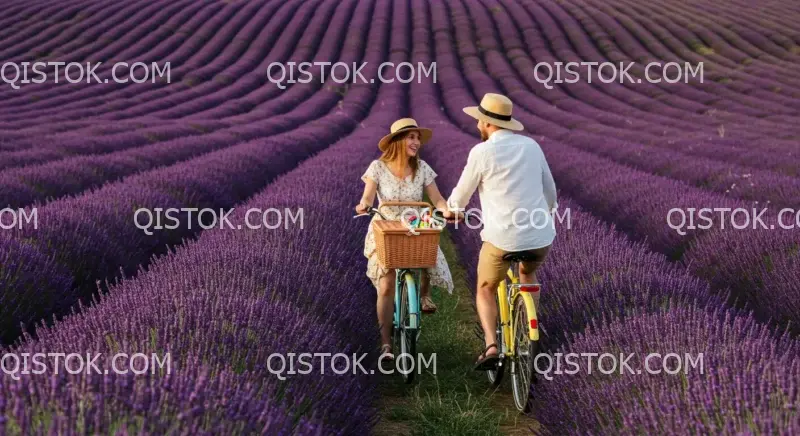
(453,216)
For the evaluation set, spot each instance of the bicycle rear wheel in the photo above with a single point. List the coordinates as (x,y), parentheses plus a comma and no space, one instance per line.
(406,335)
(525,352)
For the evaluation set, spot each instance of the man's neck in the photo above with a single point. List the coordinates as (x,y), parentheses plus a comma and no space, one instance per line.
(495,131)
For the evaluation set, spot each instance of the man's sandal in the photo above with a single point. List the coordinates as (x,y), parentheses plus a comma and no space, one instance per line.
(487,362)
(428,306)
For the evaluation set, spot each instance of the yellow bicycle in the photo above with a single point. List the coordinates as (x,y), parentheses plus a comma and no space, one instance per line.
(517,332)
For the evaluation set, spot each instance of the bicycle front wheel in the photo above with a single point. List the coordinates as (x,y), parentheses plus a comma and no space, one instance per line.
(407,333)
(525,352)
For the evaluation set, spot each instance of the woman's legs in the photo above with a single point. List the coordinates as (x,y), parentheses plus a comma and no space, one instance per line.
(386,306)
(424,287)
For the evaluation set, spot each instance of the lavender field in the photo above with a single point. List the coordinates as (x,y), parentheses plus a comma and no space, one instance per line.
(220,134)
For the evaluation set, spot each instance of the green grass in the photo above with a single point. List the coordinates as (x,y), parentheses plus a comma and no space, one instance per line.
(456,400)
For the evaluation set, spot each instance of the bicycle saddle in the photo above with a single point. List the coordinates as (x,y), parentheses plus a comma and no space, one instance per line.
(519,257)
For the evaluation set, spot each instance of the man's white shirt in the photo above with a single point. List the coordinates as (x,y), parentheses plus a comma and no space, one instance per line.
(516,190)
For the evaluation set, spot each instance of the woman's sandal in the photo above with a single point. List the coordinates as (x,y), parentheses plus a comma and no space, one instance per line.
(428,306)
(485,362)
(386,352)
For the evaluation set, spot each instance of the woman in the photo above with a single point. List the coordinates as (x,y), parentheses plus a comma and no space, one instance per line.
(400,175)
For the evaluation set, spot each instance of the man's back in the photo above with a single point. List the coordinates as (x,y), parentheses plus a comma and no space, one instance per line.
(516,191)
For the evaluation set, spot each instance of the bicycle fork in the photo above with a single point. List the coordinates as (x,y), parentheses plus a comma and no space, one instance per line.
(407,277)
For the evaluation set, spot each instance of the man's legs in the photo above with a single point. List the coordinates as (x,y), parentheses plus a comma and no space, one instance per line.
(527,271)
(491,270)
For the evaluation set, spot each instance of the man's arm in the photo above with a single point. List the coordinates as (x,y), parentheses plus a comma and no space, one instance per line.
(467,183)
(549,185)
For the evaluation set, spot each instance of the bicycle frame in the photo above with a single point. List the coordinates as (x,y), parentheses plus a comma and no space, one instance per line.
(507,299)
(411,278)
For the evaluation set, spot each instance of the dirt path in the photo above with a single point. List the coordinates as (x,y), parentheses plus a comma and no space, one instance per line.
(455,400)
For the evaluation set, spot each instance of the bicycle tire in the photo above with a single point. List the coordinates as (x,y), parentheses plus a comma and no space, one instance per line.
(407,337)
(523,374)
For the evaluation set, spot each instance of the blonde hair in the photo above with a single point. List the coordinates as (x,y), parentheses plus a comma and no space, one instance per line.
(396,152)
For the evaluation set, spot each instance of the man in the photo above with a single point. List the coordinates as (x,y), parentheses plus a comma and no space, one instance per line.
(517,194)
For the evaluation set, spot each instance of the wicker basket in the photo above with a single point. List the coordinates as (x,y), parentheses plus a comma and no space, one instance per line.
(398,248)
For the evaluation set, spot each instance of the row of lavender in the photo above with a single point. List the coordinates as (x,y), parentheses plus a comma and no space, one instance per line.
(25,186)
(658,103)
(46,191)
(630,297)
(754,183)
(731,259)
(83,40)
(222,306)
(504,27)
(746,155)
(604,293)
(212,99)
(93,237)
(154,32)
(268,44)
(241,102)
(564,114)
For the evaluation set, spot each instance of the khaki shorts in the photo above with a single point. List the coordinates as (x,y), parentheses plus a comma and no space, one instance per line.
(492,268)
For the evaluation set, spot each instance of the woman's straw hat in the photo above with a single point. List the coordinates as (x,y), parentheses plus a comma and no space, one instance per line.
(495,109)
(401,126)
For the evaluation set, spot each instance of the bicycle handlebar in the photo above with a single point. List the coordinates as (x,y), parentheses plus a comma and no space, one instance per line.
(371,211)
(406,203)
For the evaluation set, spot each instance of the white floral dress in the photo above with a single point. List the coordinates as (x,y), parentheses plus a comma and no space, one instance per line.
(391,188)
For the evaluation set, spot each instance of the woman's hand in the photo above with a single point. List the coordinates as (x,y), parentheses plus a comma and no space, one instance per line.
(361,209)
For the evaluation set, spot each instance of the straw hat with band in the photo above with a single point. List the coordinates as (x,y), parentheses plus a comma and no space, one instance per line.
(401,126)
(495,109)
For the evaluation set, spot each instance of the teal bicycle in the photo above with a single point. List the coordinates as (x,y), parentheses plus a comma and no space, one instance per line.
(407,251)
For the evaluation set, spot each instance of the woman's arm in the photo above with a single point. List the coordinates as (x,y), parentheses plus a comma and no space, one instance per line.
(439,202)
(368,197)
